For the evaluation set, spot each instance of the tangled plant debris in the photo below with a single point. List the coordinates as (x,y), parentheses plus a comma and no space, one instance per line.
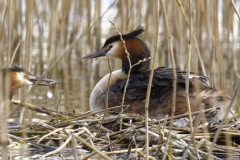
(75,135)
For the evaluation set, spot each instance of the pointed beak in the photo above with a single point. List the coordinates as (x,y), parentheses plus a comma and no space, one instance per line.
(43,82)
(96,54)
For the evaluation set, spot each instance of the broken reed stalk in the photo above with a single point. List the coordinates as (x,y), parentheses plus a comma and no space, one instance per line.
(170,49)
(38,109)
(129,71)
(150,81)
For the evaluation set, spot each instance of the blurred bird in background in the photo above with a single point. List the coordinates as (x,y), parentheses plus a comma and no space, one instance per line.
(11,79)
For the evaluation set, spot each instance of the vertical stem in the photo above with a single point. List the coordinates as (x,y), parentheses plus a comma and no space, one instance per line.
(188,73)
(212,62)
(28,50)
(4,108)
(150,81)
(106,102)
(170,50)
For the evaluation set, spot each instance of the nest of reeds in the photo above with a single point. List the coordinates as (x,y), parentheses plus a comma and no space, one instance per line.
(123,136)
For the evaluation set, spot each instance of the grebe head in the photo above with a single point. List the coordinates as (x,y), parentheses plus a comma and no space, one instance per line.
(19,77)
(137,49)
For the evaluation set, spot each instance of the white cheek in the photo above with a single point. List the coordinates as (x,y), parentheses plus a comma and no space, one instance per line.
(23,80)
(113,51)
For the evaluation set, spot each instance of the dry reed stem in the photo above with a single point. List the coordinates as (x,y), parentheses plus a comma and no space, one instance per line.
(93,148)
(38,109)
(133,141)
(61,146)
(15,51)
(145,156)
(129,72)
(128,76)
(28,58)
(212,61)
(110,74)
(131,66)
(170,49)
(50,133)
(126,150)
(57,108)
(4,131)
(150,83)
(235,9)
(187,80)
(66,122)
(199,56)
(46,126)
(74,143)
(96,151)
(106,102)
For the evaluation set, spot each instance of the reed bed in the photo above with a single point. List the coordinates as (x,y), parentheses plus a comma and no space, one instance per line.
(50,37)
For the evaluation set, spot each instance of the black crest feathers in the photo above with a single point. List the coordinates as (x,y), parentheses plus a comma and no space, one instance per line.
(17,69)
(14,68)
(136,32)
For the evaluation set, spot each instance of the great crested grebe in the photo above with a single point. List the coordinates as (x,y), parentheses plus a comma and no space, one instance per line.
(18,77)
(162,85)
